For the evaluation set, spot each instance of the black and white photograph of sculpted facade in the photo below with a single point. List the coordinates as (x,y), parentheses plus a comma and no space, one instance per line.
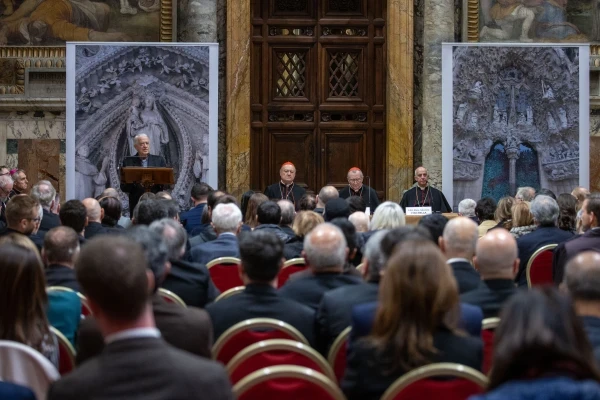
(515,120)
(162,91)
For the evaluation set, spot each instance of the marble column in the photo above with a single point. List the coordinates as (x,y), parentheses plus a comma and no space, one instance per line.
(439,27)
(197,21)
(513,154)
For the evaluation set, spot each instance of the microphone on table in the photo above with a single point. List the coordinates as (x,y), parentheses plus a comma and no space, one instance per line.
(368,209)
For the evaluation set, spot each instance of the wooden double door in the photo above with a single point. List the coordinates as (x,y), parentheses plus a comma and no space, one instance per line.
(318,91)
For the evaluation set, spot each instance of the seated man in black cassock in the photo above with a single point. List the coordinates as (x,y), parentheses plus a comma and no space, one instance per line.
(142,158)
(356,188)
(424,195)
(286,189)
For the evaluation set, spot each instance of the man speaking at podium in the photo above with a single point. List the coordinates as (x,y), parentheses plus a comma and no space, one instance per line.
(424,195)
(142,158)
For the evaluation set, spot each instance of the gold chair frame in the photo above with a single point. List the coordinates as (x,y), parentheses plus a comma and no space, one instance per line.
(63,339)
(82,298)
(360,267)
(230,292)
(337,345)
(288,371)
(490,323)
(438,369)
(256,323)
(533,256)
(172,296)
(223,260)
(294,261)
(285,345)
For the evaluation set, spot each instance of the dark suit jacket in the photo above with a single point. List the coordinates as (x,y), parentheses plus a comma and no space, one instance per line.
(490,295)
(223,246)
(11,391)
(309,290)
(60,275)
(273,192)
(466,276)
(191,282)
(261,301)
(49,221)
(94,228)
(590,240)
(365,194)
(192,218)
(144,368)
(528,244)
(136,190)
(369,372)
(187,329)
(363,316)
(37,240)
(592,328)
(335,311)
(293,248)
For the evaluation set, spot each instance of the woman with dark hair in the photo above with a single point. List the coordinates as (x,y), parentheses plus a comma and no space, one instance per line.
(541,351)
(415,324)
(244,202)
(23,300)
(567,217)
(111,210)
(485,211)
(250,218)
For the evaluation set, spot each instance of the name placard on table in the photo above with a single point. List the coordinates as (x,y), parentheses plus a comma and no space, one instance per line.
(418,210)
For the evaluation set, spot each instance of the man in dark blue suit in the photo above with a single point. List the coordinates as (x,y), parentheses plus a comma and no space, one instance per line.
(11,391)
(142,158)
(227,222)
(458,244)
(545,214)
(192,218)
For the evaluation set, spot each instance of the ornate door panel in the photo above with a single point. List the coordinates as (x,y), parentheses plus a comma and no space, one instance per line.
(318,90)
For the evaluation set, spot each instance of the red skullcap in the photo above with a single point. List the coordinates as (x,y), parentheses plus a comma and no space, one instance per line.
(287,163)
(354,169)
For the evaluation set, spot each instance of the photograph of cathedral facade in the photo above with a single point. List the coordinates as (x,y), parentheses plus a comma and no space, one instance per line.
(515,120)
(161,91)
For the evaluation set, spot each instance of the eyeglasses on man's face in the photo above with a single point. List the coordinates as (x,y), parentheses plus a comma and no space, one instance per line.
(355,180)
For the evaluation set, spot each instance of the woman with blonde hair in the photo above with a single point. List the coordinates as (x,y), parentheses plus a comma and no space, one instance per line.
(23,297)
(415,324)
(503,214)
(522,220)
(251,217)
(304,222)
(388,215)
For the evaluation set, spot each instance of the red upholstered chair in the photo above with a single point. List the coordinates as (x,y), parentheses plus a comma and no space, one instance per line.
(251,331)
(230,292)
(539,266)
(66,352)
(417,385)
(290,267)
(488,326)
(287,382)
(224,272)
(337,354)
(273,352)
(170,297)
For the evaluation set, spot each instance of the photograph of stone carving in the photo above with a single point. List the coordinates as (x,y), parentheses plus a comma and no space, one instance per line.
(115,92)
(515,120)
(574,21)
(54,22)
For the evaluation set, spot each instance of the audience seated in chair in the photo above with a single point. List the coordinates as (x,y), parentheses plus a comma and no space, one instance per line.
(94,215)
(192,218)
(61,247)
(45,194)
(190,281)
(74,215)
(497,262)
(325,251)
(269,217)
(288,213)
(262,258)
(326,194)
(205,232)
(173,321)
(23,217)
(541,351)
(136,363)
(110,212)
(304,222)
(485,212)
(458,244)
(416,323)
(227,223)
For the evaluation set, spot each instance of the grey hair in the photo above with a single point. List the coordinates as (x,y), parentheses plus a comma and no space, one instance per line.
(388,215)
(173,234)
(467,207)
(322,255)
(44,193)
(545,210)
(372,252)
(138,136)
(287,212)
(155,250)
(226,217)
(525,193)
(5,180)
(328,193)
(15,174)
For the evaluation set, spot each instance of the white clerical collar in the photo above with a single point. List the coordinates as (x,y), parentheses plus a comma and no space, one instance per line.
(457,259)
(133,333)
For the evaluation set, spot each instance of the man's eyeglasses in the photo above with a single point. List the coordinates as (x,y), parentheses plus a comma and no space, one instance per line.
(356,180)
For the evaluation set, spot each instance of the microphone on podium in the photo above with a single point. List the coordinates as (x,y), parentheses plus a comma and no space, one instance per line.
(368,209)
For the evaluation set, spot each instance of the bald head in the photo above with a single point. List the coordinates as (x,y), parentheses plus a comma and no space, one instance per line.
(459,238)
(325,248)
(110,192)
(497,255)
(360,220)
(325,194)
(582,277)
(93,209)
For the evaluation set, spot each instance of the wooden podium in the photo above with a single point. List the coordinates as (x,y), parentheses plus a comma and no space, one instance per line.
(414,219)
(148,176)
